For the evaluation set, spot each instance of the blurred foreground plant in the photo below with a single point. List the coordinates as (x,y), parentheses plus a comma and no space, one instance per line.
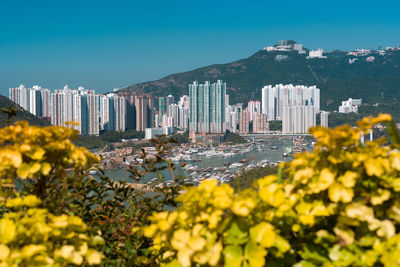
(31,236)
(44,162)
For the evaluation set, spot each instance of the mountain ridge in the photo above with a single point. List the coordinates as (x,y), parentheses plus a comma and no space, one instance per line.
(21,114)
(376,81)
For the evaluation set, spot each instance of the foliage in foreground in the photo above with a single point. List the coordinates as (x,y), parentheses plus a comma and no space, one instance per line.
(34,229)
(339,205)
(52,177)
(32,236)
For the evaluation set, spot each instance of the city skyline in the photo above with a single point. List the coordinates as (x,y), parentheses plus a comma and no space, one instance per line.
(206,109)
(105,46)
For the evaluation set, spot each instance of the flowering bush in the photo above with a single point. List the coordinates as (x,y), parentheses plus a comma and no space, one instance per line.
(40,155)
(37,160)
(32,236)
(338,206)
(43,162)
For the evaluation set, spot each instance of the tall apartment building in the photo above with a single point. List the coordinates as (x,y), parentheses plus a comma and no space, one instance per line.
(324,118)
(113,110)
(274,98)
(232,117)
(254,107)
(296,106)
(66,107)
(79,106)
(92,116)
(161,106)
(298,119)
(19,96)
(140,111)
(86,111)
(45,96)
(244,123)
(36,100)
(184,101)
(207,107)
(144,106)
(173,113)
(107,115)
(260,124)
(169,101)
(183,104)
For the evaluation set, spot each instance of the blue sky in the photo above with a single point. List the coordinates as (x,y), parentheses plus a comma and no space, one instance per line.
(107,44)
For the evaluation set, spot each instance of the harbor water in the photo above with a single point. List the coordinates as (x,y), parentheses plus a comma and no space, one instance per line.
(273,153)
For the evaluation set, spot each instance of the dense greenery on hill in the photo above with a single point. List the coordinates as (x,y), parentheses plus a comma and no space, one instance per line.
(393,108)
(275,125)
(375,82)
(233,138)
(105,138)
(181,138)
(21,114)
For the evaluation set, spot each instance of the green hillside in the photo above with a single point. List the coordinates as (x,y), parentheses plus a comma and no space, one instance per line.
(377,81)
(21,114)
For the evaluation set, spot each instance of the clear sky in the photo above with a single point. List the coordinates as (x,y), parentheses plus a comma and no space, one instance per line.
(106,44)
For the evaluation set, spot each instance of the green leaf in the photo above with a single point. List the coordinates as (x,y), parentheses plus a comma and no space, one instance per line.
(235,236)
(255,255)
(393,132)
(313,254)
(233,256)
(341,255)
(304,264)
(174,263)
(263,234)
(280,175)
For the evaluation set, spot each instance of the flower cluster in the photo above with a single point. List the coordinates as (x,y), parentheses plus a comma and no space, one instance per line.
(31,236)
(214,224)
(31,151)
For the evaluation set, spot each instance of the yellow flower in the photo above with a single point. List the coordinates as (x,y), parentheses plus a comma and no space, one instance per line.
(180,239)
(339,193)
(272,194)
(93,257)
(242,206)
(373,167)
(263,234)
(380,196)
(4,252)
(303,175)
(348,179)
(31,201)
(7,231)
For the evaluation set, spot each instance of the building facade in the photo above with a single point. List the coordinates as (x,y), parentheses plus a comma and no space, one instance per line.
(350,105)
(260,124)
(244,122)
(207,107)
(274,98)
(324,118)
